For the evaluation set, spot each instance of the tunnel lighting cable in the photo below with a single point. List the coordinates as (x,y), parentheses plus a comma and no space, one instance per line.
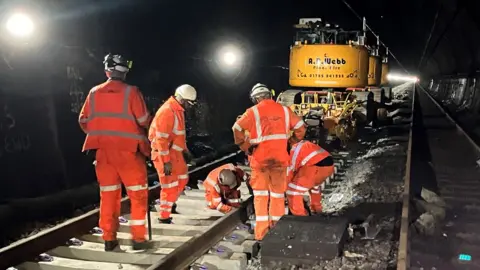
(376,36)
(440,38)
(429,36)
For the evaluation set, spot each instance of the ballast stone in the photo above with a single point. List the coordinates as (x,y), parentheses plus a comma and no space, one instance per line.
(303,240)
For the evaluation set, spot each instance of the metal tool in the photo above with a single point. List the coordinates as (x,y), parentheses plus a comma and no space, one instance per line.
(371,229)
(149,220)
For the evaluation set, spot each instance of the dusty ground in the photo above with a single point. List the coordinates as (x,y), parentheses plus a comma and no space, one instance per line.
(372,183)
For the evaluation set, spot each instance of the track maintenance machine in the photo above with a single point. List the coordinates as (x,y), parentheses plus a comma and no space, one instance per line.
(340,77)
(384,83)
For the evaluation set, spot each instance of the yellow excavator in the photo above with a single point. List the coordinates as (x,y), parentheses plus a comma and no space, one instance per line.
(339,77)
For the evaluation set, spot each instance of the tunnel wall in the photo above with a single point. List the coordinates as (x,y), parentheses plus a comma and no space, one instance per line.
(454,47)
(41,142)
(460,96)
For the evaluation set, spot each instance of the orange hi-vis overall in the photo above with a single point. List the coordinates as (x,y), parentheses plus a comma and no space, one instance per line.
(268,124)
(167,135)
(114,117)
(220,197)
(307,175)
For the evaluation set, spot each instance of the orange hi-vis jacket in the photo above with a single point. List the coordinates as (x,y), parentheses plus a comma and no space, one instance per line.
(113,117)
(223,198)
(269,125)
(167,131)
(305,153)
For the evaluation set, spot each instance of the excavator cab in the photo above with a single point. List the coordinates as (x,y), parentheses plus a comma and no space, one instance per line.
(313,31)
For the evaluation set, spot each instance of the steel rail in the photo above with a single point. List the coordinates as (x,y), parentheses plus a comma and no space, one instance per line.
(30,247)
(403,261)
(190,251)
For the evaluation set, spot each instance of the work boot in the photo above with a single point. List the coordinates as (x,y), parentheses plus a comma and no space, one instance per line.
(174,209)
(259,243)
(141,245)
(111,245)
(165,220)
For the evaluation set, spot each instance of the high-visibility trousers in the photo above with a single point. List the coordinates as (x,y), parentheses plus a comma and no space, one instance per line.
(308,178)
(269,185)
(113,168)
(171,185)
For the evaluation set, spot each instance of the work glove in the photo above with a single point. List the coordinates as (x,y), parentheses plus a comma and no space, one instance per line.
(251,149)
(187,156)
(167,168)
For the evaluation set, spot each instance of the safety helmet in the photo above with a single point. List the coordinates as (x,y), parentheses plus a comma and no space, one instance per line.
(259,90)
(186,92)
(117,63)
(227,178)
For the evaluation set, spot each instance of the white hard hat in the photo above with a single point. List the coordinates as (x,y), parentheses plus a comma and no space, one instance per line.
(186,92)
(259,89)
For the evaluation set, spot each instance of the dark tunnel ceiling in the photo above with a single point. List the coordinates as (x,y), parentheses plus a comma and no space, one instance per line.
(166,30)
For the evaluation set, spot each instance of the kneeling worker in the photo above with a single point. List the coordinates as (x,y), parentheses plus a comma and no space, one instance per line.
(310,166)
(221,187)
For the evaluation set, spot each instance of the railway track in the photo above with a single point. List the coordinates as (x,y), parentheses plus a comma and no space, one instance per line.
(446,160)
(197,227)
(200,237)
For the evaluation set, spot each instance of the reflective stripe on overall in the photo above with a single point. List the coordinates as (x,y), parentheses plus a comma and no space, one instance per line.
(123,115)
(296,150)
(258,127)
(210,182)
(131,188)
(175,130)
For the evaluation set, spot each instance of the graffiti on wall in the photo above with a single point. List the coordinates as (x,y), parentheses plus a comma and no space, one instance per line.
(77,96)
(12,141)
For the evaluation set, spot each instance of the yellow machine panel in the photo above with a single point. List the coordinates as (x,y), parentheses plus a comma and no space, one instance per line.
(384,74)
(374,70)
(328,66)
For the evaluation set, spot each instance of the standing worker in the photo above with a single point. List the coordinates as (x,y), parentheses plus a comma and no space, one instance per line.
(169,148)
(114,117)
(269,125)
(310,166)
(221,187)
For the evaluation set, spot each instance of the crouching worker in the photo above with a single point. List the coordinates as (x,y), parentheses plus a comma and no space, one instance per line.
(309,168)
(221,187)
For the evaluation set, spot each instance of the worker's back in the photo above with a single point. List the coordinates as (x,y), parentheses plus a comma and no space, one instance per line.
(113,117)
(269,132)
(306,153)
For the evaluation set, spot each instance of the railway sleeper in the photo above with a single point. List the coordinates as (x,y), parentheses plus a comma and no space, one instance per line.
(193,219)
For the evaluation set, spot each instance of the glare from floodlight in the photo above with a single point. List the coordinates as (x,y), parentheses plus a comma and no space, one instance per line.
(229,58)
(20,25)
(394,77)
